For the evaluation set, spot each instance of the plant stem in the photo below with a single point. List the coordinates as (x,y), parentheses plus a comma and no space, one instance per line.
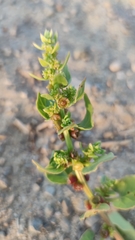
(68,141)
(86,188)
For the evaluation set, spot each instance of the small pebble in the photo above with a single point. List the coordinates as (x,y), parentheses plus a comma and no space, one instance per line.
(35,225)
(8,171)
(115,66)
(2,161)
(52,235)
(92,220)
(65,208)
(49,2)
(13,31)
(48,211)
(121,75)
(3,182)
(50,190)
(25,129)
(10,199)
(133,67)
(39,180)
(108,135)
(7,52)
(58,215)
(35,187)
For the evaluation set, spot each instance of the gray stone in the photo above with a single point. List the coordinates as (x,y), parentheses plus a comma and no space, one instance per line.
(3,182)
(50,190)
(2,161)
(10,199)
(35,225)
(8,170)
(65,208)
(133,67)
(121,75)
(35,187)
(48,211)
(91,221)
(2,235)
(48,2)
(7,52)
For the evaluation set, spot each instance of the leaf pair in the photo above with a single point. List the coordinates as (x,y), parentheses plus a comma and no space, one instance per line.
(87,122)
(125,190)
(55,175)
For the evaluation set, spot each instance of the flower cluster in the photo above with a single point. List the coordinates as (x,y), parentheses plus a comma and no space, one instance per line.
(60,158)
(94,150)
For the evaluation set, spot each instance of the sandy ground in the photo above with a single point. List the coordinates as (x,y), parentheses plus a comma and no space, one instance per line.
(100,36)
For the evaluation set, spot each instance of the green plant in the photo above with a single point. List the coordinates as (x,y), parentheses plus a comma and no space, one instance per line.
(70,167)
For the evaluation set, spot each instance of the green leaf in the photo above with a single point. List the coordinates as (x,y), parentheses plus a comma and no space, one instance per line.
(41,104)
(43,39)
(123,226)
(67,128)
(39,167)
(38,47)
(38,78)
(102,207)
(125,189)
(42,62)
(80,91)
(69,170)
(67,73)
(59,178)
(60,79)
(94,165)
(48,169)
(52,170)
(65,62)
(56,48)
(87,122)
(47,96)
(87,235)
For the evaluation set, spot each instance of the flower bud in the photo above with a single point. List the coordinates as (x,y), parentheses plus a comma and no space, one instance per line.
(105,233)
(87,177)
(63,102)
(88,205)
(73,155)
(56,117)
(78,186)
(61,137)
(72,179)
(74,133)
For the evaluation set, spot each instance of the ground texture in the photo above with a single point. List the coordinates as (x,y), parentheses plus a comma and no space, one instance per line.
(100,35)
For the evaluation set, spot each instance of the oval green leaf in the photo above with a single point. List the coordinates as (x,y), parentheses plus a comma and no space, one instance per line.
(52,170)
(87,235)
(66,73)
(65,62)
(60,79)
(47,96)
(59,178)
(37,78)
(126,229)
(41,104)
(87,122)
(125,189)
(42,62)
(56,48)
(80,91)
(93,166)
